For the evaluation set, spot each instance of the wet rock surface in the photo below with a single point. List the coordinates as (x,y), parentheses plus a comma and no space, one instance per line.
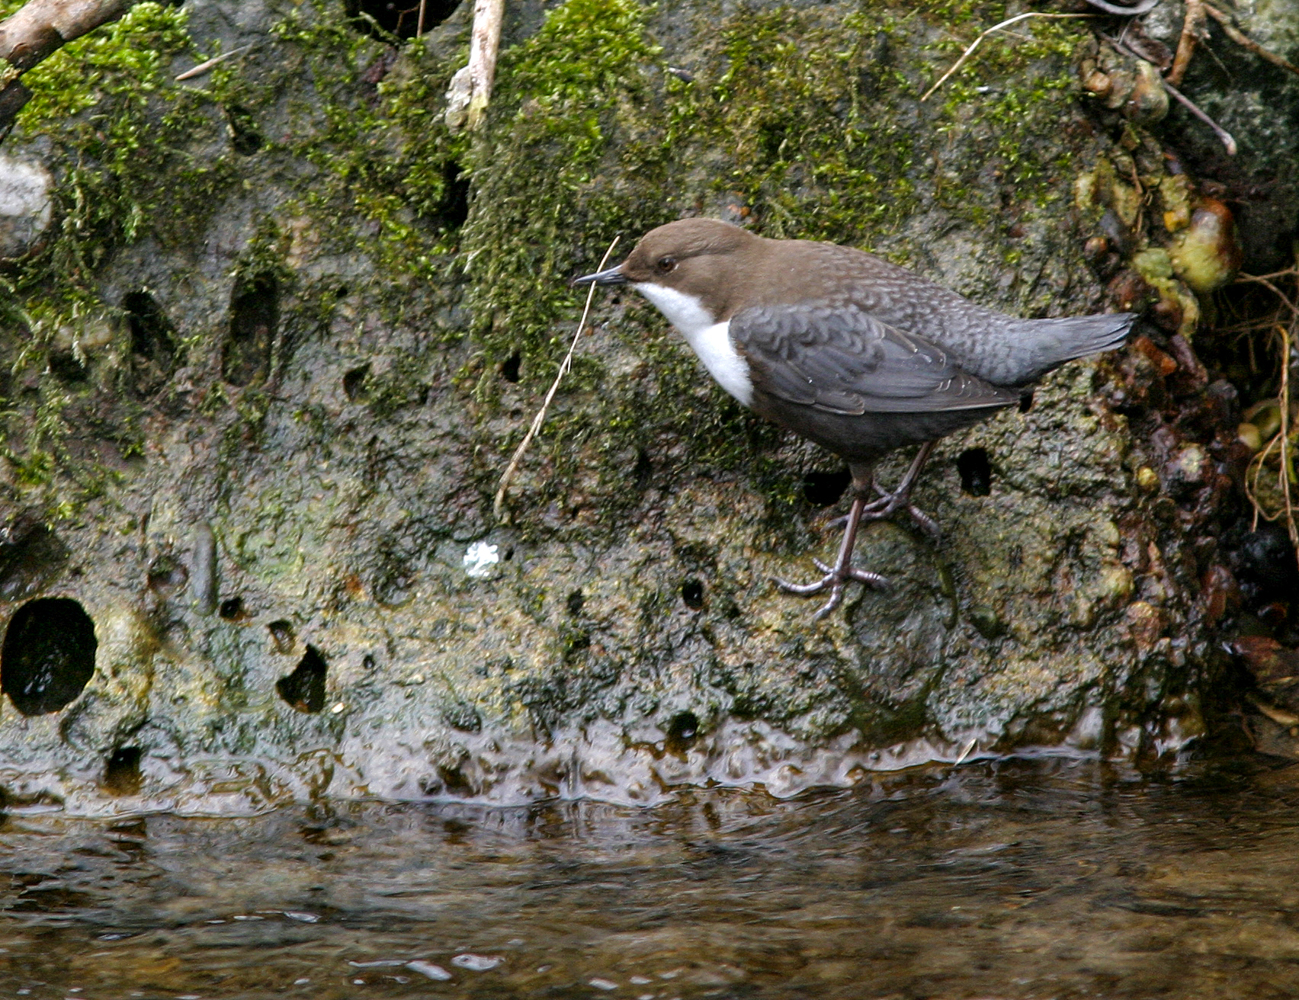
(261,421)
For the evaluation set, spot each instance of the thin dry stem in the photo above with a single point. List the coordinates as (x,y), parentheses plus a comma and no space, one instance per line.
(1186,43)
(1281,443)
(975,44)
(498,505)
(1245,42)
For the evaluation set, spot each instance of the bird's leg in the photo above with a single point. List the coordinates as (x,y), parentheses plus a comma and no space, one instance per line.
(888,502)
(837,576)
(865,509)
(900,498)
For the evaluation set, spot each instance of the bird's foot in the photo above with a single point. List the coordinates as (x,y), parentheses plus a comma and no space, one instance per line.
(835,579)
(886,505)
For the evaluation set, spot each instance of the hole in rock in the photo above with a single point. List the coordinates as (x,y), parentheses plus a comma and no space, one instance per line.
(454,207)
(31,563)
(167,575)
(692,593)
(510,367)
(381,18)
(122,772)
(354,382)
(67,367)
(823,489)
(244,134)
(682,731)
(643,473)
(232,609)
(48,655)
(282,635)
(304,689)
(464,717)
(153,342)
(975,472)
(576,601)
(1026,401)
(254,318)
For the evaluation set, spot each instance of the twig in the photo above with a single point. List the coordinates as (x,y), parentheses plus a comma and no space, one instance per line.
(36,30)
(471,87)
(419,24)
(1280,442)
(203,67)
(499,502)
(1235,34)
(975,44)
(1140,7)
(1186,43)
(1223,135)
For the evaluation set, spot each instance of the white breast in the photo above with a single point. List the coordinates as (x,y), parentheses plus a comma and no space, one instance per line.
(709,339)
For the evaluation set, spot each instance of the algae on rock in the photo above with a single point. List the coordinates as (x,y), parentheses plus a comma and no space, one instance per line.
(284,312)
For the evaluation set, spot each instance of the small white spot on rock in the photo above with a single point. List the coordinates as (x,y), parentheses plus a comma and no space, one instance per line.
(480,558)
(602,984)
(25,205)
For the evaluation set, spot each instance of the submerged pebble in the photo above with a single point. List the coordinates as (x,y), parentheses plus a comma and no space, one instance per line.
(476,963)
(429,969)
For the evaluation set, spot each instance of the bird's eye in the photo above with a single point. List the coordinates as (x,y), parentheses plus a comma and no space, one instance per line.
(666,264)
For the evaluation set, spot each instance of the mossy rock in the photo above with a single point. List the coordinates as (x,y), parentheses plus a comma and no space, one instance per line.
(307,321)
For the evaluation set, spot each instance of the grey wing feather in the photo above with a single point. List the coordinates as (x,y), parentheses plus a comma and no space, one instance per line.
(846,361)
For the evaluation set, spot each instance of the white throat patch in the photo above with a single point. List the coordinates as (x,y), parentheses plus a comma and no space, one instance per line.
(707,338)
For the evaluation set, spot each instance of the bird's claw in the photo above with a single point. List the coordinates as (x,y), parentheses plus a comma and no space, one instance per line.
(835,580)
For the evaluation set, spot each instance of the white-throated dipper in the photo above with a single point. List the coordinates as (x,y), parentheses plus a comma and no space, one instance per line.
(854,353)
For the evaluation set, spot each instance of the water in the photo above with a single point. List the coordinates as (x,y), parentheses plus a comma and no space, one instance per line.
(1018,878)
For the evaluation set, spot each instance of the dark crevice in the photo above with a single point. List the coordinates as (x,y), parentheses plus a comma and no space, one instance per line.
(454,207)
(692,593)
(682,732)
(122,772)
(975,471)
(282,635)
(576,600)
(232,609)
(153,343)
(304,689)
(643,473)
(48,655)
(31,563)
(385,19)
(254,319)
(67,368)
(244,134)
(354,383)
(823,489)
(510,367)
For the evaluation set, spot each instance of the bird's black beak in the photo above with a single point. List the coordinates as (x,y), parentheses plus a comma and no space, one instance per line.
(613,276)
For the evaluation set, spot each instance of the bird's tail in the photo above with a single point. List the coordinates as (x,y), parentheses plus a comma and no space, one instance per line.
(1059,340)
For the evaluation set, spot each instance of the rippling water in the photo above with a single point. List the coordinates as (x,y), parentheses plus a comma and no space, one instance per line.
(1019,878)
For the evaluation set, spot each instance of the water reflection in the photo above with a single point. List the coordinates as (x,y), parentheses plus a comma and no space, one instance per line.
(1022,878)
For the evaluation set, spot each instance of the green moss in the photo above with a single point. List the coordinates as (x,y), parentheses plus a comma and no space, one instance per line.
(801,119)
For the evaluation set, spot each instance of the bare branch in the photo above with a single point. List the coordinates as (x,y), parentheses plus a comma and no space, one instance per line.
(471,87)
(38,29)
(1235,34)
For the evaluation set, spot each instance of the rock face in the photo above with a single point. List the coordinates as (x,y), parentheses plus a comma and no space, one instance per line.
(25,205)
(267,375)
